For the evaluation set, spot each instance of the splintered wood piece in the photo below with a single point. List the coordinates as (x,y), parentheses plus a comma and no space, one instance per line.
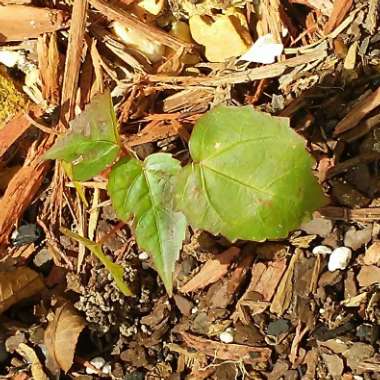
(212,271)
(73,60)
(369,214)
(339,12)
(20,22)
(117,14)
(250,75)
(49,64)
(22,188)
(234,352)
(358,112)
(15,128)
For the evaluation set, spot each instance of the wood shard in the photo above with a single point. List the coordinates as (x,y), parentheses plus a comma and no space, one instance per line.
(339,12)
(235,352)
(20,22)
(358,112)
(212,271)
(22,188)
(73,60)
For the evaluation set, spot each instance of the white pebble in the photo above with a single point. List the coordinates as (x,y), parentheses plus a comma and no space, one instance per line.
(143,256)
(107,369)
(226,336)
(90,371)
(322,250)
(194,310)
(339,258)
(98,362)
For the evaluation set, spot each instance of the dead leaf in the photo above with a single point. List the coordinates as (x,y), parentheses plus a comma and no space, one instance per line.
(223,351)
(61,337)
(212,271)
(17,285)
(20,22)
(36,366)
(282,298)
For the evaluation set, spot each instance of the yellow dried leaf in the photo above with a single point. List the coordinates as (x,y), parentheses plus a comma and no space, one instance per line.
(61,337)
(19,284)
(213,34)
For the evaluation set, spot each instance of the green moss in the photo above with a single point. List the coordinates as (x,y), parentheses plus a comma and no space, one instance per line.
(11,99)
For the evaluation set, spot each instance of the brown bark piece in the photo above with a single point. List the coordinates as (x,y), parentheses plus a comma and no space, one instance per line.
(20,22)
(118,14)
(15,128)
(358,112)
(339,12)
(73,60)
(235,352)
(22,189)
(212,271)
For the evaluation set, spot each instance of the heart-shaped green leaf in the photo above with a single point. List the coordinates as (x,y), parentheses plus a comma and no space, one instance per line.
(251,177)
(92,142)
(145,190)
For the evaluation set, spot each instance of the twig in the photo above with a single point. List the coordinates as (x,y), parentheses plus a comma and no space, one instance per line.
(40,126)
(118,14)
(263,72)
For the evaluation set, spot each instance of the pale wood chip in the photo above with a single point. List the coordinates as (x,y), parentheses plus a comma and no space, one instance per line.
(21,22)
(212,271)
(234,352)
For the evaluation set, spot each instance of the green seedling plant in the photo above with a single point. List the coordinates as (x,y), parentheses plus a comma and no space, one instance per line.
(250,178)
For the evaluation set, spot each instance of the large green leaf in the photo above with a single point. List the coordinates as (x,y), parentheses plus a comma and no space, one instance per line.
(116,270)
(145,190)
(251,177)
(92,142)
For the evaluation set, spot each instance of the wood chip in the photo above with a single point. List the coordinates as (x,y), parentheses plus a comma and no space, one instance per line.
(223,351)
(17,285)
(22,188)
(372,254)
(339,12)
(212,271)
(20,22)
(358,112)
(73,60)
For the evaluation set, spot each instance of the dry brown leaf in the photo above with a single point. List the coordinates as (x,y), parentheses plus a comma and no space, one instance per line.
(372,254)
(282,298)
(61,337)
(36,366)
(20,22)
(235,352)
(212,271)
(19,284)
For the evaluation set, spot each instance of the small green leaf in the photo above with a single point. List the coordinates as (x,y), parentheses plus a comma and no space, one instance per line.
(145,190)
(116,270)
(92,142)
(251,177)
